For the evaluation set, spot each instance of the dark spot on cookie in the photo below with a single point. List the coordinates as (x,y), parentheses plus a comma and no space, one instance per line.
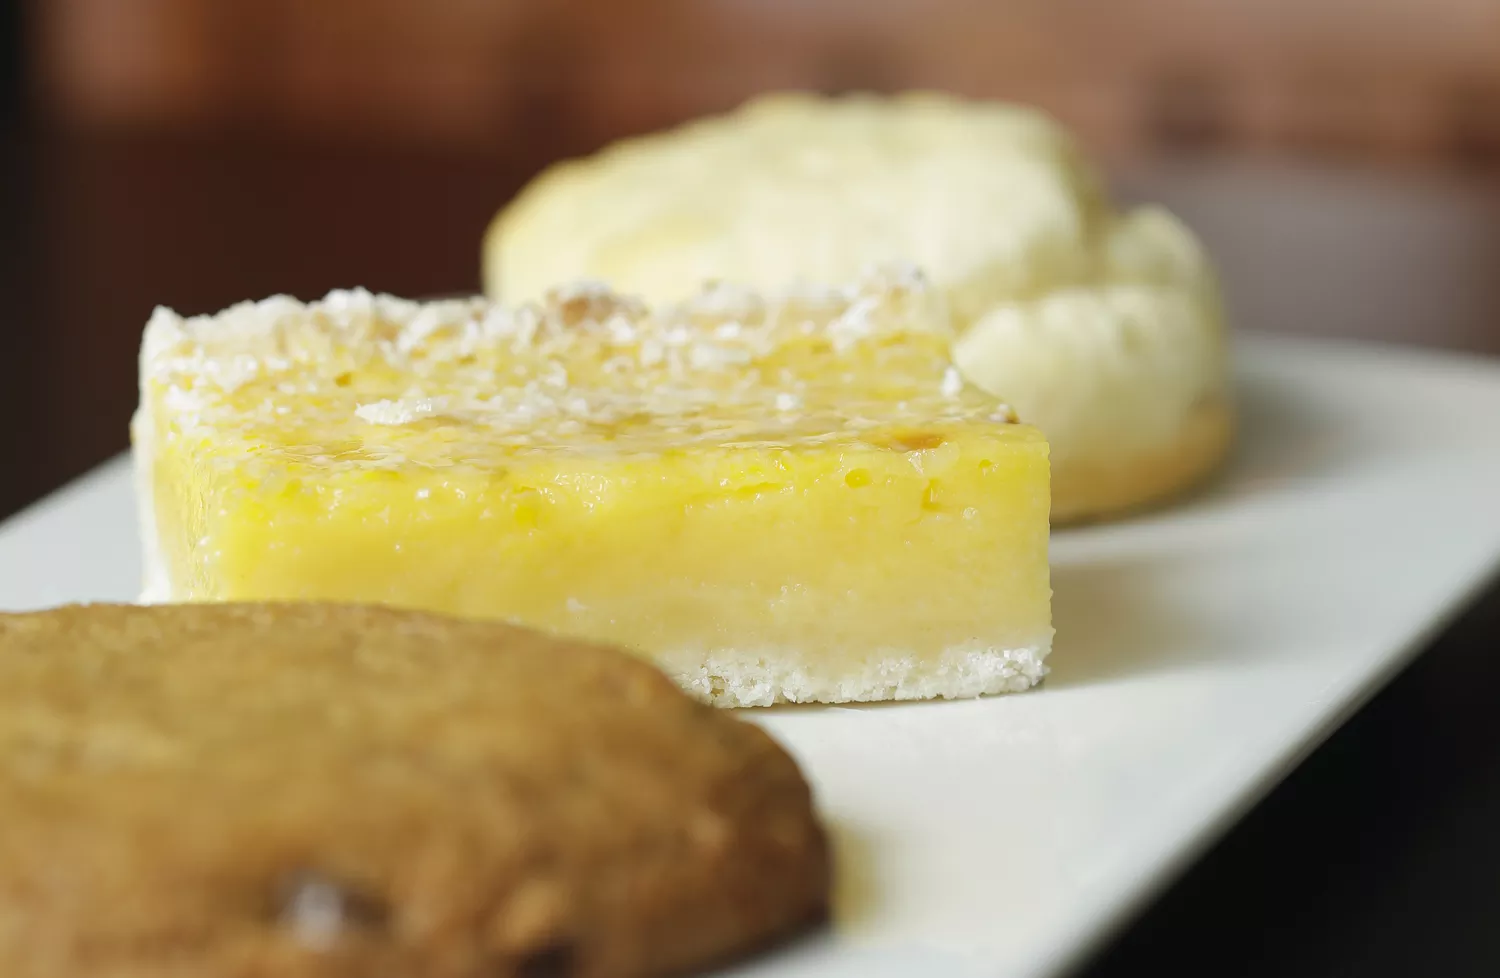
(552,961)
(319,909)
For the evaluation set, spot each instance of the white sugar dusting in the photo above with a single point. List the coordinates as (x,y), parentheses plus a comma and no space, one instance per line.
(587,289)
(403,411)
(585,366)
(855,323)
(713,356)
(651,352)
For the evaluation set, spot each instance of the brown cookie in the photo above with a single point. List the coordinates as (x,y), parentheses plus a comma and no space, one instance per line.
(299,791)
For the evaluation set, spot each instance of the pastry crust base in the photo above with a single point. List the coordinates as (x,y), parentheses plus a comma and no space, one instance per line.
(1090,489)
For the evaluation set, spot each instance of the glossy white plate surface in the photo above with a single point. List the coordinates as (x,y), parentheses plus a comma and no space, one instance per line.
(1200,652)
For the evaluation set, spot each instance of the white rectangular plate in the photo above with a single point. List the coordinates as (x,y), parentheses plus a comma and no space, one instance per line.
(1200,652)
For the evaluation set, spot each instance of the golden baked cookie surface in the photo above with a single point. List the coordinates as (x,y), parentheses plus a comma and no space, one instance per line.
(259,791)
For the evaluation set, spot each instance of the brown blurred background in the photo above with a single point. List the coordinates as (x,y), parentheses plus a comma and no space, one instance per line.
(1396,80)
(1341,157)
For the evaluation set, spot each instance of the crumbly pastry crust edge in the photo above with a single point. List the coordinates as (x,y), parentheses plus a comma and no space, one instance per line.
(767,677)
(1096,489)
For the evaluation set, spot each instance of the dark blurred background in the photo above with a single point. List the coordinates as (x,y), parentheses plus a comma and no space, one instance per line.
(1339,156)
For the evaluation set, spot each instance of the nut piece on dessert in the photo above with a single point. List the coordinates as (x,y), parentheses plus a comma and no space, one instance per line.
(263,791)
(1102,326)
(775,499)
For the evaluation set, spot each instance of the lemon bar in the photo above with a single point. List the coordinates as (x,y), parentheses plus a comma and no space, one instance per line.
(792,498)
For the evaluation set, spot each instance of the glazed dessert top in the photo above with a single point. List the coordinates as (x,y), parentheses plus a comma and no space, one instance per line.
(362,380)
